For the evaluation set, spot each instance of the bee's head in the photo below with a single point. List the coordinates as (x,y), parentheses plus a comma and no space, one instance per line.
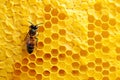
(34,27)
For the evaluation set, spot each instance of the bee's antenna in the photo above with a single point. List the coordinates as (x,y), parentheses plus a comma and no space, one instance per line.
(30,23)
(38,24)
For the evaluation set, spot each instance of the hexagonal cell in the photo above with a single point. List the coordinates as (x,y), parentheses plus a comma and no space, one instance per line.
(112,21)
(17,72)
(98,68)
(54,60)
(118,49)
(118,78)
(62,57)
(91,26)
(46,73)
(91,49)
(39,76)
(98,45)
(83,53)
(75,72)
(32,72)
(39,53)
(47,40)
(105,72)
(39,61)
(76,57)
(91,64)
(91,34)
(62,31)
(48,24)
(61,16)
(105,49)
(105,26)
(91,78)
(47,8)
(24,68)
(32,57)
(25,61)
(54,68)
(105,64)
(32,65)
(98,60)
(47,16)
(98,38)
(97,6)
(98,22)
(17,65)
(54,52)
(118,57)
(90,42)
(54,12)
(55,36)
(62,48)
(54,20)
(105,34)
(83,68)
(105,18)
(75,65)
(69,52)
(62,72)
(91,18)
(47,56)
(112,68)
(40,45)
(105,78)
(41,29)
(118,9)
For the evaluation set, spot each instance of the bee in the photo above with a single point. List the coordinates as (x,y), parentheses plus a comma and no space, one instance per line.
(32,39)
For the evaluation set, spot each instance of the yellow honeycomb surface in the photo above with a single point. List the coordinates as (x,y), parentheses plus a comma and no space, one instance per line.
(77,40)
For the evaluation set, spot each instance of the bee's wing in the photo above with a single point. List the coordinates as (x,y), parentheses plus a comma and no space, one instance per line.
(26,36)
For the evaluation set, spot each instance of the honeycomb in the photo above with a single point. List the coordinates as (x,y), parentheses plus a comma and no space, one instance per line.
(77,40)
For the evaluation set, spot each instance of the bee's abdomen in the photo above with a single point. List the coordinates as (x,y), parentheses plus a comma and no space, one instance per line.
(30,48)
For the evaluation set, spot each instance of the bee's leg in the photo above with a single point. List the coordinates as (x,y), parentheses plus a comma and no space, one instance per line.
(36,41)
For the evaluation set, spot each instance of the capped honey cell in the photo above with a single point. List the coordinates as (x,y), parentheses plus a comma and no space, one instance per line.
(54,52)
(32,57)
(75,65)
(47,8)
(46,73)
(47,56)
(48,24)
(54,68)
(75,72)
(24,68)
(91,18)
(54,12)
(25,61)
(61,16)
(83,53)
(91,64)
(39,76)
(62,72)
(91,78)
(47,16)
(32,72)
(54,20)
(97,6)
(17,65)
(39,61)
(98,22)
(83,68)
(105,18)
